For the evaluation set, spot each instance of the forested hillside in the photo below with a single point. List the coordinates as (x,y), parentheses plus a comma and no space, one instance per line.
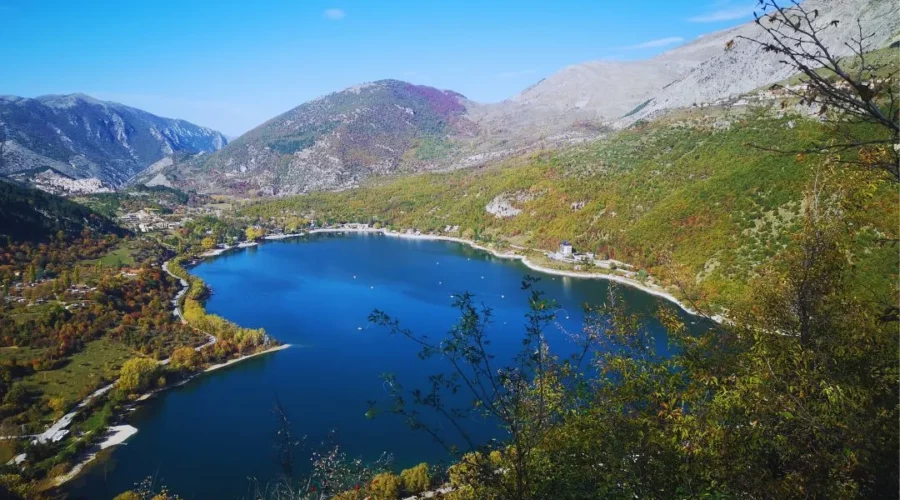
(680,197)
(32,215)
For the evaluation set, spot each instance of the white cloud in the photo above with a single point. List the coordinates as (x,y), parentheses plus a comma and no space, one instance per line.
(515,74)
(652,44)
(726,14)
(334,14)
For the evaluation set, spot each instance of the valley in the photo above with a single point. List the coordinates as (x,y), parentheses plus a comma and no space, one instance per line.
(672,276)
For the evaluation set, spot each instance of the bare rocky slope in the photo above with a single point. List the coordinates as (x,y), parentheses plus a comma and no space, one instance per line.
(747,67)
(579,100)
(85,138)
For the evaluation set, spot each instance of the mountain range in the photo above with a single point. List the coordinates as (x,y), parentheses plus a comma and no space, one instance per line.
(80,137)
(391,127)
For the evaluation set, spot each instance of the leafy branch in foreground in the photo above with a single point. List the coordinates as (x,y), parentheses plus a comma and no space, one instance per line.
(331,472)
(528,397)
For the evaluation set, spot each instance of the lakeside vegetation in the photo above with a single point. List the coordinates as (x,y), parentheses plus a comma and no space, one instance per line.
(231,339)
(85,304)
(692,202)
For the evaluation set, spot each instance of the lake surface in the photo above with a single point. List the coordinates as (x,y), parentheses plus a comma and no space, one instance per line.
(207,439)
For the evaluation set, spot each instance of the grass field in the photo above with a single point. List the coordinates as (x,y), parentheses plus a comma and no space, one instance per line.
(100,361)
(122,256)
(19,354)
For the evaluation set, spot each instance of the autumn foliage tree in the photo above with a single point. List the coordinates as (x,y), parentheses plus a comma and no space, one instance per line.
(137,374)
(185,358)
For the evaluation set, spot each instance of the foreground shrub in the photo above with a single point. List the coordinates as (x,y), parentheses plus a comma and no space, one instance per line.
(385,486)
(415,480)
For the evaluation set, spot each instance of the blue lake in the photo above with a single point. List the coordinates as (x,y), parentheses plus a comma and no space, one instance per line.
(207,439)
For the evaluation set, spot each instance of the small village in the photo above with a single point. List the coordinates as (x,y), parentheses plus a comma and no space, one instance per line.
(148,219)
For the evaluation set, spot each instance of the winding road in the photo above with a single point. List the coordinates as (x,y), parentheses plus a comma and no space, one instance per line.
(59,429)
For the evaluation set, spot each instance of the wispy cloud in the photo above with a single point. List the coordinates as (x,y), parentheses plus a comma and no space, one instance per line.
(334,14)
(652,44)
(724,14)
(516,74)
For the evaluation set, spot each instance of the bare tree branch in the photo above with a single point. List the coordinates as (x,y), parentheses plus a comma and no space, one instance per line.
(864,96)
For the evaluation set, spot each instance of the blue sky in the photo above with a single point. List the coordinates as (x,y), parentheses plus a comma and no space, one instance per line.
(233,64)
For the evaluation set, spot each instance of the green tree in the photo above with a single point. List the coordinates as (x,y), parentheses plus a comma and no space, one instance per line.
(185,358)
(17,395)
(137,374)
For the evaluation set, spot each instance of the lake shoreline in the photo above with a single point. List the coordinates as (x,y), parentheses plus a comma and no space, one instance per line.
(121,433)
(655,291)
(187,274)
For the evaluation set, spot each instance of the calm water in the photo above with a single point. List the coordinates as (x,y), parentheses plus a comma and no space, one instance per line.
(206,439)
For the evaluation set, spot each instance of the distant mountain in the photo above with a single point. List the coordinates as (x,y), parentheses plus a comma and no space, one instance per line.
(579,99)
(29,214)
(747,66)
(393,127)
(82,137)
(336,141)
(573,103)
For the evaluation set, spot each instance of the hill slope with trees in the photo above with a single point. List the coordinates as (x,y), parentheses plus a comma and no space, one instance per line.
(32,215)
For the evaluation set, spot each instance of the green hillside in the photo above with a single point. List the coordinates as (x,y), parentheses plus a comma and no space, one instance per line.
(704,196)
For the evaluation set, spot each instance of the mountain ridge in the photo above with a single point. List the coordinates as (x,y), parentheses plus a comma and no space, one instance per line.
(337,140)
(391,127)
(84,137)
(580,102)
